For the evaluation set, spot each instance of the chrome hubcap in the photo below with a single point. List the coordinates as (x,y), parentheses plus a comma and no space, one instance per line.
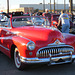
(17,58)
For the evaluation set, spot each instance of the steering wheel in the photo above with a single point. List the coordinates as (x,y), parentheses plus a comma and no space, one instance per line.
(38,23)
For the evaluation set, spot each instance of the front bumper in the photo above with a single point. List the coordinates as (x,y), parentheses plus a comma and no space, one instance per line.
(52,60)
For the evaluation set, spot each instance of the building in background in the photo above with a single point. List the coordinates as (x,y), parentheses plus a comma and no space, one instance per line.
(23,9)
(47,6)
(32,7)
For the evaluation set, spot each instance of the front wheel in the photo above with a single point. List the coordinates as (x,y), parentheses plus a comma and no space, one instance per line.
(72,61)
(19,65)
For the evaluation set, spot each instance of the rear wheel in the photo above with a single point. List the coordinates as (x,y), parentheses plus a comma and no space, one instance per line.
(19,65)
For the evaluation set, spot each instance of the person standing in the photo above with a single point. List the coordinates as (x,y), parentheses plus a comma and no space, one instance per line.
(47,14)
(64,20)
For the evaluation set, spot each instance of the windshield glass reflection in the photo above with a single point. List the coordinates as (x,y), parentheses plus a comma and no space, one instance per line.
(30,21)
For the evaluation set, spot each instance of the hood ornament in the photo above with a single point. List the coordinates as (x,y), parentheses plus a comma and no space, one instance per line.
(57,42)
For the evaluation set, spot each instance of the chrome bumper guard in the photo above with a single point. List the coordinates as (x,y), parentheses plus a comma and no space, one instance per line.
(52,60)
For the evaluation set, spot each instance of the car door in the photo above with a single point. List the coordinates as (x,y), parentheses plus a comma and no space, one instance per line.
(5,37)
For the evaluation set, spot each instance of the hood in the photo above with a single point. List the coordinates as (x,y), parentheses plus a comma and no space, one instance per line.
(38,34)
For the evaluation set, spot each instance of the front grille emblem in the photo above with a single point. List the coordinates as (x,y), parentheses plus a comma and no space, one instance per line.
(57,42)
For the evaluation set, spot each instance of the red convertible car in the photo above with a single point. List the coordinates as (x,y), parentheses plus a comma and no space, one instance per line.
(29,40)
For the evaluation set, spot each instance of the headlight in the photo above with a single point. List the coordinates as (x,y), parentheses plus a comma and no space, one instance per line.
(31,45)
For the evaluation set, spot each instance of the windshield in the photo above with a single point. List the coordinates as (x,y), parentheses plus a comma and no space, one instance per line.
(30,21)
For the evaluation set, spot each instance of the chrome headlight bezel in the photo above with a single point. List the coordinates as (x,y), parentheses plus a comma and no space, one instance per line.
(31,45)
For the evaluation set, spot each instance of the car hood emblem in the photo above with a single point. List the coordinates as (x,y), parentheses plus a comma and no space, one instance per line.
(57,42)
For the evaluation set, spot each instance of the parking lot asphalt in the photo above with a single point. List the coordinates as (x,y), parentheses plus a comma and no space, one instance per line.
(7,67)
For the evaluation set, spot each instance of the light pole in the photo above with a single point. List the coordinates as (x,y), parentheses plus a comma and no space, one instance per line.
(54,6)
(8,6)
(50,6)
(71,8)
(64,4)
(57,5)
(44,5)
(71,5)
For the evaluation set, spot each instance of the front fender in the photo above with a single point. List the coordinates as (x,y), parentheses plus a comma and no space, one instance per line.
(21,44)
(70,39)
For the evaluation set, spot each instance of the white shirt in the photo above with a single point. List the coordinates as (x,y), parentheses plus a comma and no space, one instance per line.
(64,19)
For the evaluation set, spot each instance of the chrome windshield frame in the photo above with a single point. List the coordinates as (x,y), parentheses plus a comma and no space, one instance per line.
(30,17)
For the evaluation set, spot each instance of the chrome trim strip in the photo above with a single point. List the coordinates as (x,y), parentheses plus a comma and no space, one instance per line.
(45,60)
(4,47)
(61,54)
(56,46)
(59,63)
(7,27)
(25,38)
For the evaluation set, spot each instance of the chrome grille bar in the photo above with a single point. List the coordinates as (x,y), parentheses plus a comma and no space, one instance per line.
(44,52)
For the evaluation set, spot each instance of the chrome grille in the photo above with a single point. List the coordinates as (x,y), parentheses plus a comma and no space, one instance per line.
(44,52)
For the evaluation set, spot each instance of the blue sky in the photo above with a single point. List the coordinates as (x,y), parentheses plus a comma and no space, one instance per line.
(15,3)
